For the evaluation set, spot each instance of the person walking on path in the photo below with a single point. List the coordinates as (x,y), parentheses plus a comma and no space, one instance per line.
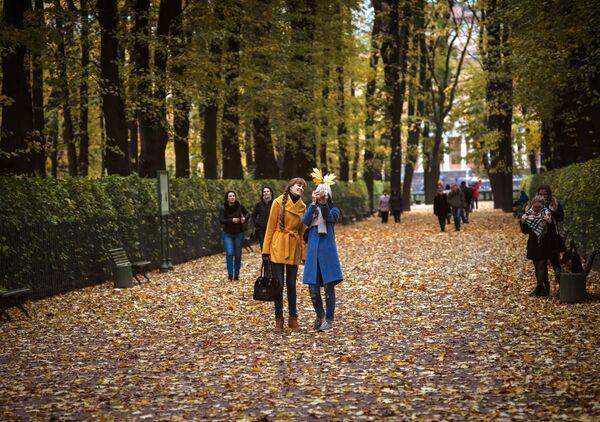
(538,224)
(260,215)
(456,199)
(441,207)
(476,187)
(558,215)
(284,247)
(468,193)
(232,216)
(396,205)
(322,267)
(384,207)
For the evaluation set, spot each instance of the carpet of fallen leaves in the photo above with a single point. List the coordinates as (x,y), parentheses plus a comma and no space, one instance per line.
(429,326)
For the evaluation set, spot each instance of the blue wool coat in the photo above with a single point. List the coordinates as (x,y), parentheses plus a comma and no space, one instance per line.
(321,249)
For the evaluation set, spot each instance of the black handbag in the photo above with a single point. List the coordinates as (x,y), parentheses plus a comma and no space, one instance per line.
(266,288)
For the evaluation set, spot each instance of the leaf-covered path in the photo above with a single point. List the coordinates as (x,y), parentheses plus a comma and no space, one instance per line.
(429,326)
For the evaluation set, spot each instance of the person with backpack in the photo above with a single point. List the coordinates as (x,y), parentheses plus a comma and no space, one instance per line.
(456,199)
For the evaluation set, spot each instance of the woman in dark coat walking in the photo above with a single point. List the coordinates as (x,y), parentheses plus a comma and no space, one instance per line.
(396,205)
(232,216)
(260,215)
(558,215)
(538,224)
(441,207)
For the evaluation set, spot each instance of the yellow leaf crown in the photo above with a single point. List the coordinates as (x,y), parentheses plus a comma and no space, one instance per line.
(319,179)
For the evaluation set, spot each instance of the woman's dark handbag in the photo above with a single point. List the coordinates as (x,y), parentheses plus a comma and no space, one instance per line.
(266,288)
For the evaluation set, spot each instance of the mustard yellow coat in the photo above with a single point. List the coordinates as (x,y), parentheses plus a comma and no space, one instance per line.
(286,246)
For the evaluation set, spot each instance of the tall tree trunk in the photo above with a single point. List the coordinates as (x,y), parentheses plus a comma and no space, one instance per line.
(38,155)
(113,107)
(153,152)
(499,105)
(83,90)
(300,157)
(141,71)
(324,123)
(342,131)
(394,53)
(17,119)
(355,136)
(266,165)
(369,167)
(68,135)
(230,140)
(181,118)
(210,111)
(416,104)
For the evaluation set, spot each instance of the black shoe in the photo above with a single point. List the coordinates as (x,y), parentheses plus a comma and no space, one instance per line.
(236,278)
(535,292)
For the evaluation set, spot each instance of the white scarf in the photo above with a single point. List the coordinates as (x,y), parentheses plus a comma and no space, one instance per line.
(319,221)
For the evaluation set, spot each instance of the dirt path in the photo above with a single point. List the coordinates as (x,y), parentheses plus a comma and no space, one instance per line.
(429,326)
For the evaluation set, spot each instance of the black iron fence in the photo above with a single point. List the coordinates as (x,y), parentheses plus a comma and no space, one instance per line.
(56,258)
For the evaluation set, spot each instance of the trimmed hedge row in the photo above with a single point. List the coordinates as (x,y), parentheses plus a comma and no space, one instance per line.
(55,233)
(578,190)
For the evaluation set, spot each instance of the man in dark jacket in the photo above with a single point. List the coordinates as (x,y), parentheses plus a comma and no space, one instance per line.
(468,193)
(456,199)
(260,215)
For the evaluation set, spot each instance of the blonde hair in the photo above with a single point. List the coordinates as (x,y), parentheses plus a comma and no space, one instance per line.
(286,193)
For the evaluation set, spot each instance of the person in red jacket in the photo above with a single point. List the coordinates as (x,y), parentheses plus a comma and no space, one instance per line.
(476,187)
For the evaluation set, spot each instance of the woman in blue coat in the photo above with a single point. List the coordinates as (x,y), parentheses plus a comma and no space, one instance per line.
(322,266)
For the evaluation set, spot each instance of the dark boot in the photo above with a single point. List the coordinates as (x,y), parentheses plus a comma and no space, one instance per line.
(279,325)
(293,323)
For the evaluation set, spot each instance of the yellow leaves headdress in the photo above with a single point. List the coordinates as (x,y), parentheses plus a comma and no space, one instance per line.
(319,179)
(323,182)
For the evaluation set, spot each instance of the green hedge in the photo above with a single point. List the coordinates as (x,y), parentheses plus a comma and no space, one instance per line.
(55,233)
(577,188)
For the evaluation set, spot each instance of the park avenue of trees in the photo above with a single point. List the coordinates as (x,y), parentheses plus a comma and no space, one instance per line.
(273,88)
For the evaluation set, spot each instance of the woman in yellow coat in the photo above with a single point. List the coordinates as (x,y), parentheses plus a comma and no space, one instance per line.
(284,247)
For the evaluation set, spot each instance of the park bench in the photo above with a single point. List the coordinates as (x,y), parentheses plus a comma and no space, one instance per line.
(12,297)
(120,260)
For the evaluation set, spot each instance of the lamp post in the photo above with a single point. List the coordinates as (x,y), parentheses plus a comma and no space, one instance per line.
(162,184)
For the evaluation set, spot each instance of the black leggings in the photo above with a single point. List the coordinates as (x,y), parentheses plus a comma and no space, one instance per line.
(541,276)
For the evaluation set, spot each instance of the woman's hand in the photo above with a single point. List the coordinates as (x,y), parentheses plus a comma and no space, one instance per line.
(315,196)
(235,220)
(243,220)
(524,218)
(548,218)
(323,197)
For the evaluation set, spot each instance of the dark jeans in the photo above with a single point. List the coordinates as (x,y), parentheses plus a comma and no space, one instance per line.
(233,248)
(317,300)
(384,216)
(291,273)
(260,234)
(397,216)
(442,221)
(457,214)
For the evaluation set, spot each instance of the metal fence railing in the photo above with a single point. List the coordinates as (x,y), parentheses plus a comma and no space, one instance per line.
(55,258)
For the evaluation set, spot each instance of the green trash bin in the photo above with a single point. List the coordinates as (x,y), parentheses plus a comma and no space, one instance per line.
(123,276)
(572,288)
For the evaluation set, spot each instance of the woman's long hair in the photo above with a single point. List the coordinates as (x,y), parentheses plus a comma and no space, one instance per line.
(551,200)
(286,193)
(226,203)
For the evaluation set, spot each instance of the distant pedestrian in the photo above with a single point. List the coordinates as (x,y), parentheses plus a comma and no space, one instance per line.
(441,207)
(322,268)
(396,205)
(384,207)
(456,199)
(284,247)
(468,193)
(232,216)
(260,215)
(476,187)
(538,224)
